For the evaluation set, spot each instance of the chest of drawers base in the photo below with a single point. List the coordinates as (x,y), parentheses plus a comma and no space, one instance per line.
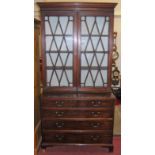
(77,121)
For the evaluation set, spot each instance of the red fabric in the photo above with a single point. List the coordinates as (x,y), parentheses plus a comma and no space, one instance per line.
(83,150)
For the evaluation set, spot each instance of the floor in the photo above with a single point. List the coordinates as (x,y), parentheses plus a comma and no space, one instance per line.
(117,120)
(83,150)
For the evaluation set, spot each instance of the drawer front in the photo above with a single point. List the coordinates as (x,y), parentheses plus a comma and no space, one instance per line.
(90,113)
(78,103)
(59,103)
(77,125)
(77,138)
(97,103)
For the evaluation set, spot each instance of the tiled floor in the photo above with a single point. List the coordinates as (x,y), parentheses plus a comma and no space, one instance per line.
(83,150)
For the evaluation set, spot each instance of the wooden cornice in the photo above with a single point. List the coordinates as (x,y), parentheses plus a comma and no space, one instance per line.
(78,5)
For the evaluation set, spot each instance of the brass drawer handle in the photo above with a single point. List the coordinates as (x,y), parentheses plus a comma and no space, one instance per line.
(59,124)
(95,114)
(59,113)
(95,125)
(59,137)
(60,104)
(95,138)
(95,104)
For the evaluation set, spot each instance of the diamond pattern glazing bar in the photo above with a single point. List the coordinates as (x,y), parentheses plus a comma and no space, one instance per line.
(94,50)
(59,50)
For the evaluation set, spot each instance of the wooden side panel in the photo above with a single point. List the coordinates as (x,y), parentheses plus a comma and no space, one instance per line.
(37,121)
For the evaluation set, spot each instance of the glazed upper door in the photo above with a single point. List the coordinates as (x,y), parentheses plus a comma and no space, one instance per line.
(77,50)
(94,50)
(59,51)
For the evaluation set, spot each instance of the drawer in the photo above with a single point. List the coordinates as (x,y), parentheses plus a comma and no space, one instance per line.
(59,103)
(73,112)
(96,103)
(78,103)
(77,125)
(83,138)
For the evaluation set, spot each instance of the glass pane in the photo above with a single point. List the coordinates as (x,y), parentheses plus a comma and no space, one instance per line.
(104,75)
(105,60)
(47,28)
(94,74)
(99,81)
(48,59)
(63,23)
(59,44)
(46,18)
(63,46)
(84,30)
(95,41)
(94,47)
(83,60)
(69,42)
(83,75)
(100,47)
(95,30)
(48,42)
(106,29)
(84,41)
(58,41)
(63,81)
(59,30)
(70,60)
(59,78)
(70,18)
(100,57)
(90,22)
(70,75)
(95,63)
(100,23)
(69,30)
(89,46)
(59,61)
(105,43)
(82,18)
(53,22)
(89,57)
(89,81)
(52,78)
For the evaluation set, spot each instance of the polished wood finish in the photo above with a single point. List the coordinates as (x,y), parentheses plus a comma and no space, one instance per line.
(37,121)
(77,125)
(86,138)
(77,115)
(48,6)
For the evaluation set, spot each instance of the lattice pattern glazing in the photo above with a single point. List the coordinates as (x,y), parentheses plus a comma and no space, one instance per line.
(94,50)
(59,50)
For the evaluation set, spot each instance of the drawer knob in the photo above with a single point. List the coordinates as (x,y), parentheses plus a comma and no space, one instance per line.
(59,137)
(59,124)
(59,113)
(95,114)
(96,124)
(95,137)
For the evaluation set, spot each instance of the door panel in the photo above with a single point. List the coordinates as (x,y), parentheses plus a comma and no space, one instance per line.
(59,51)
(94,49)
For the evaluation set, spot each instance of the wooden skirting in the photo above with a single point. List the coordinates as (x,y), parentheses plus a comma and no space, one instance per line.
(37,140)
